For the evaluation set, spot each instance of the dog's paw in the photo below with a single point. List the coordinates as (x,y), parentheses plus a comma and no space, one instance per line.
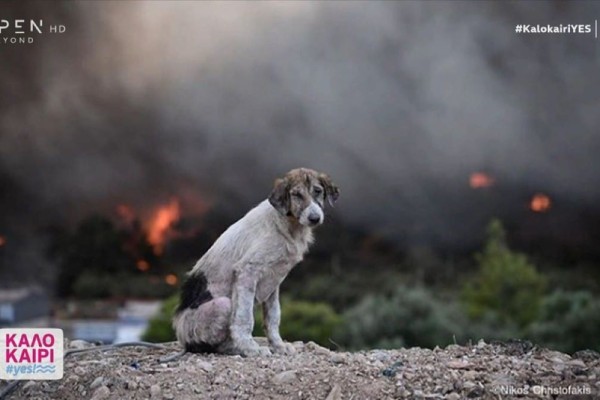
(258,351)
(283,348)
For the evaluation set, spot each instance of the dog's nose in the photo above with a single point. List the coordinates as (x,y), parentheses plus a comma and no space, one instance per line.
(314,219)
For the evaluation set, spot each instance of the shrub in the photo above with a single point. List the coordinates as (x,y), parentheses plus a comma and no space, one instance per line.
(300,321)
(303,320)
(159,328)
(507,285)
(568,321)
(409,317)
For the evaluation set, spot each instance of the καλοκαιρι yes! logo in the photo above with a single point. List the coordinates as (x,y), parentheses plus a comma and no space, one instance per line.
(31,353)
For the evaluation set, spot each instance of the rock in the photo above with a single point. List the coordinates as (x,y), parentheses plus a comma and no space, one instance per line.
(576,363)
(205,365)
(477,391)
(79,344)
(131,385)
(469,385)
(338,358)
(458,364)
(97,383)
(587,355)
(168,396)
(101,393)
(315,348)
(335,393)
(79,371)
(284,377)
(452,396)
(30,385)
(155,392)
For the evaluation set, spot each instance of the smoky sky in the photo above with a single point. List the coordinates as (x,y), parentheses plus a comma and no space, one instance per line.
(397,101)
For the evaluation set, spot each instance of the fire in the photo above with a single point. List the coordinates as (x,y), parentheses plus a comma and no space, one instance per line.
(540,203)
(160,224)
(479,180)
(171,279)
(142,265)
(2,241)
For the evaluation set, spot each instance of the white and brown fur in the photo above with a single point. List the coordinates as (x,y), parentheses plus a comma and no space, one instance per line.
(248,262)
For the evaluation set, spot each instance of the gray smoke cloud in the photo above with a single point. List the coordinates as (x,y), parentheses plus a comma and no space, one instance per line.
(398,102)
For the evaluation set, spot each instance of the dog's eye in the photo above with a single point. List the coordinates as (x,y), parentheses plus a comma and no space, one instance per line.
(318,190)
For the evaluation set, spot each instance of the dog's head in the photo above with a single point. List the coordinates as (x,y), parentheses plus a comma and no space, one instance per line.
(301,194)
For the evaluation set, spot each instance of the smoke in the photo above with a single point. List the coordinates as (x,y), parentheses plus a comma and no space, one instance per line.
(398,102)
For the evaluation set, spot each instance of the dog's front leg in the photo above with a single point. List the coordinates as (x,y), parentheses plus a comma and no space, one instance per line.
(242,317)
(272,317)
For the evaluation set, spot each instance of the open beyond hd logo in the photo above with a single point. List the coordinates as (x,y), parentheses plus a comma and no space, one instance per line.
(32,354)
(25,30)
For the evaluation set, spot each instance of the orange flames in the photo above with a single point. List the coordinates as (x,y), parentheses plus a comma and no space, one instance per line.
(171,279)
(480,180)
(540,203)
(160,224)
(2,241)
(142,265)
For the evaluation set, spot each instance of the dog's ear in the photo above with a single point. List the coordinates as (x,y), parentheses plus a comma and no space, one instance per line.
(280,196)
(331,191)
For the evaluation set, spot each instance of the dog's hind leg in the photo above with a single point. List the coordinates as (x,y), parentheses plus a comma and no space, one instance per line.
(202,329)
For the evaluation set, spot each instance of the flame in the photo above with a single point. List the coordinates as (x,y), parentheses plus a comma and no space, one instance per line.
(2,241)
(479,180)
(160,224)
(171,279)
(540,203)
(142,265)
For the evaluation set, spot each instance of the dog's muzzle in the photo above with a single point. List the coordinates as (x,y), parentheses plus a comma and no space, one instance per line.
(312,215)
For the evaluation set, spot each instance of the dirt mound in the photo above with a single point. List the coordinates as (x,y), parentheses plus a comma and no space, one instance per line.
(482,371)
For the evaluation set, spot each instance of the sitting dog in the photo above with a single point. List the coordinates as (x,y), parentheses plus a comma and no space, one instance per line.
(247,262)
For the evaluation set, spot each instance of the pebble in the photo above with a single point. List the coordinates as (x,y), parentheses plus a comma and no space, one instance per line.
(453,396)
(315,348)
(131,385)
(206,366)
(168,396)
(79,371)
(338,358)
(155,392)
(577,363)
(97,382)
(335,393)
(101,393)
(458,364)
(30,385)
(79,344)
(469,385)
(284,377)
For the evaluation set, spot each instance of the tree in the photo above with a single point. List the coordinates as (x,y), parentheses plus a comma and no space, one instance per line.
(507,286)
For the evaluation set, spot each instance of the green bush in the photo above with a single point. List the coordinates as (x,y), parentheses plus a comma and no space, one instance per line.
(302,320)
(409,317)
(568,321)
(507,285)
(159,328)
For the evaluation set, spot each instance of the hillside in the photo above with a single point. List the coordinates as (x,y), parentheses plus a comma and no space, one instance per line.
(481,371)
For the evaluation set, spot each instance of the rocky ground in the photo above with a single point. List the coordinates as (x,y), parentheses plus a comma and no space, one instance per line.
(482,371)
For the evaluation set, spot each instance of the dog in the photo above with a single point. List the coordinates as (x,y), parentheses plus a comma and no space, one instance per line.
(248,262)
